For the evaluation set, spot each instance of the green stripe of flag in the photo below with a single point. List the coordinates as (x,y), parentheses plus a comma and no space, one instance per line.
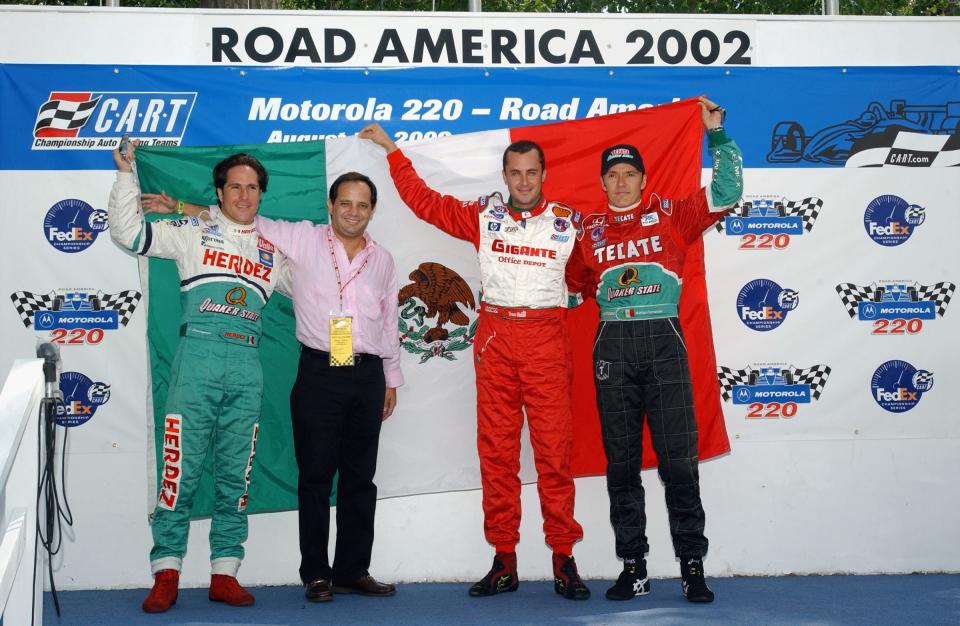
(296,190)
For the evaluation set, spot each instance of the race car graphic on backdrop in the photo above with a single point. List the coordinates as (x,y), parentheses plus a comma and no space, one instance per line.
(75,316)
(896,307)
(897,386)
(436,292)
(95,120)
(906,135)
(767,222)
(81,399)
(772,390)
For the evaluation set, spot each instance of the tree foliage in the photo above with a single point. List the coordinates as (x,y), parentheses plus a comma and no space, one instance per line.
(719,7)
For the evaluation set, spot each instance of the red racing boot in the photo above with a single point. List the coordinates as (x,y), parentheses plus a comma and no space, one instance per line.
(502,577)
(226,589)
(164,592)
(566,579)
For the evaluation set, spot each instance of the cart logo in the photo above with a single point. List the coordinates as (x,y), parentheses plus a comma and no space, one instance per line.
(436,293)
(763,305)
(81,399)
(890,220)
(73,225)
(765,222)
(897,386)
(772,390)
(900,135)
(92,120)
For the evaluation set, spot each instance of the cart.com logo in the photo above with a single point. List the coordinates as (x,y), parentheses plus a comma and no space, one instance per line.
(90,120)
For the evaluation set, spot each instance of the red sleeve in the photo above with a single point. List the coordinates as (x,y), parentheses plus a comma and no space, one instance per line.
(452,216)
(692,216)
(578,275)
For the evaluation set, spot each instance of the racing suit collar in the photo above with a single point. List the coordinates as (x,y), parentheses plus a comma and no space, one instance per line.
(234,228)
(533,211)
(624,216)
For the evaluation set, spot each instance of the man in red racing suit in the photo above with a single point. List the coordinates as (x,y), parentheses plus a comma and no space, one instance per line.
(521,350)
(634,256)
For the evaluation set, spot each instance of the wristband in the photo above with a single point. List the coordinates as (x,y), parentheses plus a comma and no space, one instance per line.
(179,207)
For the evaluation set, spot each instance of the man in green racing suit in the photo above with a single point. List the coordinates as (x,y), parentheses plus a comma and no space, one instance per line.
(227,273)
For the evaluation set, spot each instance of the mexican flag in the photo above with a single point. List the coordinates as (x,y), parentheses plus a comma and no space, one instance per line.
(429,445)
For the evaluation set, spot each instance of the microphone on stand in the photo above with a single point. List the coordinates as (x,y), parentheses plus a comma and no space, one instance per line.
(50,353)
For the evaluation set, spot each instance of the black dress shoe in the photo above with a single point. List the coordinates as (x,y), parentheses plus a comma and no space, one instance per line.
(366,585)
(319,590)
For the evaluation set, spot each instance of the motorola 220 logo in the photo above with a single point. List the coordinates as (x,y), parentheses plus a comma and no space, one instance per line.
(772,390)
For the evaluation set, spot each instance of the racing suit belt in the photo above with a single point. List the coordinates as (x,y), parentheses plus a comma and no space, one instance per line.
(521,313)
(219,334)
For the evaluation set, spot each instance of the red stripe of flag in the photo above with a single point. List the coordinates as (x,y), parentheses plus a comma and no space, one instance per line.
(670,139)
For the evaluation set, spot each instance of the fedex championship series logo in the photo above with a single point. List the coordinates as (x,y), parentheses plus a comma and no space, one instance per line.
(81,399)
(772,390)
(896,307)
(763,305)
(890,220)
(764,222)
(897,386)
(73,225)
(75,316)
(95,120)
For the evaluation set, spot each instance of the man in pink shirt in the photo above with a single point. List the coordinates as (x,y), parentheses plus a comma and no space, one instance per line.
(345,301)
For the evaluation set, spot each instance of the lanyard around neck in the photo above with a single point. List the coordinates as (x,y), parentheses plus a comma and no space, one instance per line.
(341,286)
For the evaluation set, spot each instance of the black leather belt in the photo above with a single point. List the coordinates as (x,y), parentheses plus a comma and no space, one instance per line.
(359,357)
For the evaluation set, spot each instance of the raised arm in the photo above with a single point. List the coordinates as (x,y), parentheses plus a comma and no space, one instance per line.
(449,214)
(706,206)
(164,239)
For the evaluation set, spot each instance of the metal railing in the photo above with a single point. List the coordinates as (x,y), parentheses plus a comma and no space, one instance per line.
(21,571)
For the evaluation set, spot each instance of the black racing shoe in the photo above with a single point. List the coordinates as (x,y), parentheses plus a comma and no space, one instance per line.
(501,578)
(632,582)
(566,579)
(694,586)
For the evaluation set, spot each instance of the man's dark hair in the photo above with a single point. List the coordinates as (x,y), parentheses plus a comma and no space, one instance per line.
(522,147)
(354,177)
(220,170)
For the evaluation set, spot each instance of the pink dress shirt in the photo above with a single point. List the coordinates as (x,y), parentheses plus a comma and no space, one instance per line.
(370,296)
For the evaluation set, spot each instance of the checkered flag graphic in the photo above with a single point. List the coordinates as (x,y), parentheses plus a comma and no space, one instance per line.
(922,379)
(788,297)
(939,294)
(914,214)
(906,149)
(64,114)
(852,295)
(808,209)
(736,211)
(124,302)
(98,389)
(816,377)
(99,220)
(729,378)
(27,304)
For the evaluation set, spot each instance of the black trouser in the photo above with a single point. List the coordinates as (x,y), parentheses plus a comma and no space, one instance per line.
(640,367)
(337,412)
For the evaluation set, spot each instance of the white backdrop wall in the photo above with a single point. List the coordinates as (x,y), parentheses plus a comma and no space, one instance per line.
(842,484)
